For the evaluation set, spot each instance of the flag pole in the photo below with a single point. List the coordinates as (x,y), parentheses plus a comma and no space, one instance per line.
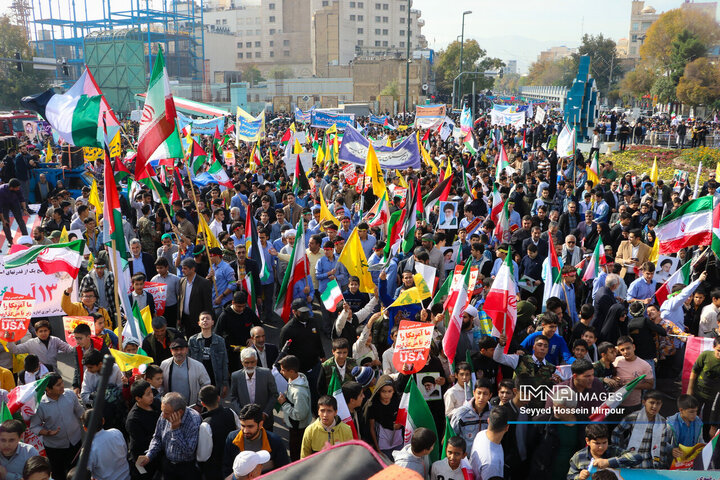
(167,213)
(113,259)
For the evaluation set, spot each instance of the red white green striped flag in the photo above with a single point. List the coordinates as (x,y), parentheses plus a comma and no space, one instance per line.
(614,400)
(596,260)
(252,245)
(461,298)
(501,301)
(27,397)
(497,204)
(410,223)
(219,174)
(707,452)
(331,296)
(394,237)
(691,224)
(379,214)
(414,413)
(297,270)
(682,276)
(335,390)
(197,157)
(715,244)
(551,271)
(61,257)
(502,227)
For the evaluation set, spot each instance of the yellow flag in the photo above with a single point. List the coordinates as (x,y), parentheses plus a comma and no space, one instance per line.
(64,236)
(204,228)
(402,127)
(115,149)
(146,318)
(242,113)
(292,127)
(94,200)
(336,148)
(388,142)
(49,153)
(297,148)
(717,172)
(654,174)
(331,130)
(373,170)
(448,170)
(428,159)
(353,257)
(416,294)
(325,213)
(272,160)
(320,158)
(128,361)
(403,183)
(592,176)
(654,252)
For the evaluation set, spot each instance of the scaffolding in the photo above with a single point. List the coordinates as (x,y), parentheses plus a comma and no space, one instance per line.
(176,25)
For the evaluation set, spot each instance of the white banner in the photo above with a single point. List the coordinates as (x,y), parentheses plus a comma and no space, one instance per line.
(31,280)
(516,119)
(539,114)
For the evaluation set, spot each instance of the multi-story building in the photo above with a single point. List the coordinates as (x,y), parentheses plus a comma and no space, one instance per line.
(556,53)
(510,66)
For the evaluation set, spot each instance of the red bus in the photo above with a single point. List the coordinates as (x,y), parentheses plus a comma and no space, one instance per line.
(11,123)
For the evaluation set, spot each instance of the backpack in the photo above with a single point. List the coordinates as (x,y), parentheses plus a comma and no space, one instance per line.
(205,442)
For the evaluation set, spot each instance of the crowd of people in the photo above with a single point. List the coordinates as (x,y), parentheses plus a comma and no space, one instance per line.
(214,380)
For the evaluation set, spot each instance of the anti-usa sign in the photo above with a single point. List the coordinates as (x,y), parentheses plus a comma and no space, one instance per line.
(327,120)
(354,148)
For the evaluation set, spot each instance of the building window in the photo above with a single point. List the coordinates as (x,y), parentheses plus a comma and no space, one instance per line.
(272,54)
(377,19)
(249,32)
(385,19)
(377,43)
(286,53)
(286,43)
(361,5)
(634,37)
(402,33)
(224,21)
(271,6)
(272,31)
(360,31)
(271,19)
(385,43)
(377,31)
(385,6)
(257,44)
(361,18)
(257,32)
(258,54)
(240,54)
(402,20)
(217,22)
(248,44)
(635,26)
(402,44)
(402,7)
(325,3)
(377,6)
(385,31)
(239,45)
(352,4)
(272,43)
(360,43)
(352,18)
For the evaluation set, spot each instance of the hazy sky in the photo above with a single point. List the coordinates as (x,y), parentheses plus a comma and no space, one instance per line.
(511,30)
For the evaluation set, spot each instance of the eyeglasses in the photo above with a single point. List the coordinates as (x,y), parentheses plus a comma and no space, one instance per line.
(570,241)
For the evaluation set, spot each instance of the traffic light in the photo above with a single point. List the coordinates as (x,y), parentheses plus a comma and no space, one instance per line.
(18,65)
(65,68)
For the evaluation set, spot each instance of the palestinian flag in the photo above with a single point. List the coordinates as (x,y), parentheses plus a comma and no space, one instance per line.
(379,214)
(438,194)
(120,170)
(300,181)
(501,301)
(502,162)
(681,276)
(502,227)
(178,185)
(197,157)
(335,390)
(331,296)
(60,257)
(414,413)
(705,457)
(297,269)
(691,224)
(461,298)
(217,143)
(252,245)
(551,271)
(217,171)
(596,260)
(26,398)
(287,136)
(469,143)
(112,215)
(139,324)
(410,223)
(76,114)
(617,398)
(466,182)
(443,291)
(159,136)
(715,243)
(394,237)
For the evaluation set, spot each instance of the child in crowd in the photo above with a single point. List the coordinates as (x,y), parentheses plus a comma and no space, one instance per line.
(416,455)
(686,426)
(327,430)
(33,370)
(380,414)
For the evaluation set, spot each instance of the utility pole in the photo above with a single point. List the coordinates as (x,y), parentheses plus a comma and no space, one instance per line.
(407,62)
(462,43)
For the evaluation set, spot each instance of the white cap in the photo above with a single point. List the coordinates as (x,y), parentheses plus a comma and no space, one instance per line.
(289,233)
(472,311)
(25,240)
(247,461)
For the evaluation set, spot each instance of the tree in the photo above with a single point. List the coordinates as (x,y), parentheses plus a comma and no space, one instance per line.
(391,89)
(558,73)
(685,48)
(604,61)
(638,82)
(664,88)
(657,48)
(509,83)
(475,59)
(700,84)
(15,84)
(251,74)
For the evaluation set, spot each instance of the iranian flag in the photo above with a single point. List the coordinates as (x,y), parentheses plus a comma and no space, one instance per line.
(501,302)
(255,157)
(497,204)
(715,244)
(682,276)
(197,157)
(112,215)
(76,114)
(596,260)
(27,397)
(438,194)
(502,227)
(297,269)
(335,390)
(220,175)
(379,214)
(551,271)
(614,401)
(691,224)
(252,245)
(414,413)
(139,324)
(61,257)
(410,223)
(159,136)
(461,300)
(331,296)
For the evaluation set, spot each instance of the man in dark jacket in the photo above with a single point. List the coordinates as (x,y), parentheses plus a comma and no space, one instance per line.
(12,200)
(604,299)
(157,344)
(234,325)
(253,436)
(195,297)
(222,423)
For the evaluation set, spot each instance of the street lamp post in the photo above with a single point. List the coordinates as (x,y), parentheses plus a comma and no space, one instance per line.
(407,63)
(462,43)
